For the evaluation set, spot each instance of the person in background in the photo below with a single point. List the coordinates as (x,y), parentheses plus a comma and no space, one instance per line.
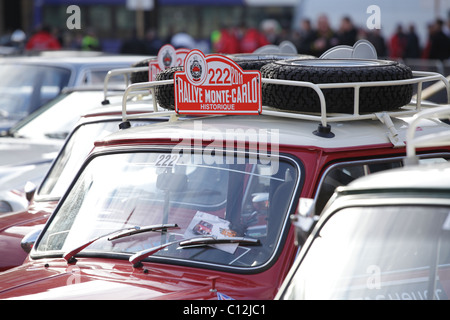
(182,40)
(412,49)
(397,44)
(439,42)
(305,37)
(225,41)
(376,38)
(90,41)
(347,34)
(251,40)
(325,37)
(270,28)
(43,40)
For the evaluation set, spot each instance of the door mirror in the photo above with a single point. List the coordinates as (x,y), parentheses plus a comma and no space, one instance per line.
(29,240)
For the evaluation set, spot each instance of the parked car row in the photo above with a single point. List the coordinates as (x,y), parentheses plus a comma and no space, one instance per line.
(28,82)
(167,205)
(30,145)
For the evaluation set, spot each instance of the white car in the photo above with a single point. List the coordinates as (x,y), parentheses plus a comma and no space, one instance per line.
(383,237)
(28,82)
(11,201)
(34,143)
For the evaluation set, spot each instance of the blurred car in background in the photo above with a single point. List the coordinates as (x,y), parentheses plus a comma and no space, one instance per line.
(11,201)
(28,82)
(31,145)
(15,225)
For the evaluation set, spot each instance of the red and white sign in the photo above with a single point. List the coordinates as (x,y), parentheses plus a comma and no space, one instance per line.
(215,84)
(167,57)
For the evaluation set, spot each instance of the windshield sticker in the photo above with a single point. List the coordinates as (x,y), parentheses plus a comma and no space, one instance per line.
(167,160)
(205,224)
(167,57)
(215,84)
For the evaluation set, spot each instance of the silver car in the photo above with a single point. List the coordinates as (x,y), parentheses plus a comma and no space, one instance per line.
(28,82)
(385,236)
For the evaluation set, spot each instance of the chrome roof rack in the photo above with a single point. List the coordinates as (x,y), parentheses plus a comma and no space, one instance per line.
(441,138)
(324,118)
(131,89)
(126,72)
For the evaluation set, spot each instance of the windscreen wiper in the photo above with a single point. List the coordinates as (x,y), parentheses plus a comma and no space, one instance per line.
(191,243)
(69,256)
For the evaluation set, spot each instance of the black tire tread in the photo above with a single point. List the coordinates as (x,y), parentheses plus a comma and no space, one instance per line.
(141,76)
(372,99)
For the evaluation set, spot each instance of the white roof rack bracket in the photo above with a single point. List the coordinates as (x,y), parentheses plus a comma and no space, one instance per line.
(429,140)
(115,72)
(137,87)
(392,133)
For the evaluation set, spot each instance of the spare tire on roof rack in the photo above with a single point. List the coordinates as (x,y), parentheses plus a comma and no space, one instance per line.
(247,61)
(338,100)
(141,76)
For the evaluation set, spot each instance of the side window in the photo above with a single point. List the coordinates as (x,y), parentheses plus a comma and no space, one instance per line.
(52,82)
(343,174)
(98,77)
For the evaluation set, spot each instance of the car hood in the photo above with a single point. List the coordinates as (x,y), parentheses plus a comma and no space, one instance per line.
(15,225)
(106,280)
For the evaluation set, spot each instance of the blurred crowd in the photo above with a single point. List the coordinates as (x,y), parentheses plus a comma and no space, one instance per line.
(311,37)
(315,37)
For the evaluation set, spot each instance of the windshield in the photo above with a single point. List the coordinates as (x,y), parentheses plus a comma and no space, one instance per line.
(385,252)
(116,191)
(71,157)
(24,88)
(56,119)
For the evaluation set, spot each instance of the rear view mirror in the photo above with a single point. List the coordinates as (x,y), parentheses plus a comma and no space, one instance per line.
(29,240)
(30,189)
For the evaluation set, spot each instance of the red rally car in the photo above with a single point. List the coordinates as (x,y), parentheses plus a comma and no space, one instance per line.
(125,228)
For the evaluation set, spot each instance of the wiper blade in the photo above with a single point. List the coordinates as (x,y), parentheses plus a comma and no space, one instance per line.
(189,243)
(121,233)
(204,241)
(137,230)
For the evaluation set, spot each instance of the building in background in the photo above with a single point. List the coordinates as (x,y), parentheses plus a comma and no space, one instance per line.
(116,20)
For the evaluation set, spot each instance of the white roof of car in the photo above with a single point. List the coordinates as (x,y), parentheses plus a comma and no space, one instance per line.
(423,176)
(296,128)
(73,59)
(293,132)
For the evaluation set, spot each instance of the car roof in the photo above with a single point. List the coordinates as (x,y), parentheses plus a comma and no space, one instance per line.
(115,111)
(422,176)
(325,130)
(292,132)
(75,60)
